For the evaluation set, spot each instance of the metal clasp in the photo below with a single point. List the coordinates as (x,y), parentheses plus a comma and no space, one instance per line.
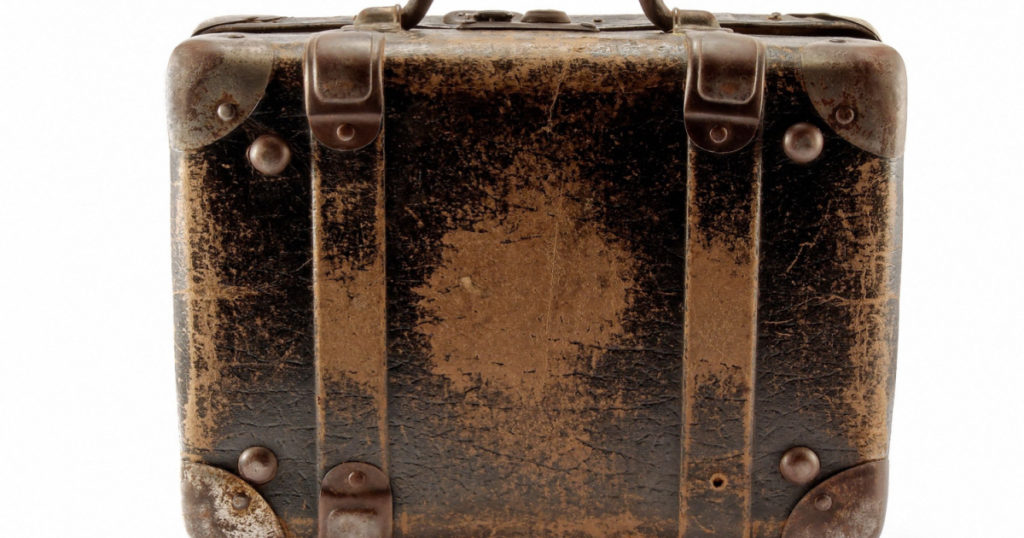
(355,502)
(724,98)
(344,92)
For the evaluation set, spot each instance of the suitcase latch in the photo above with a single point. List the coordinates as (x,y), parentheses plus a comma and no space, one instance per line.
(724,90)
(344,93)
(355,502)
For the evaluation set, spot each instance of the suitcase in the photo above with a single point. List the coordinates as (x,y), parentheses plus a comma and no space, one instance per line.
(502,274)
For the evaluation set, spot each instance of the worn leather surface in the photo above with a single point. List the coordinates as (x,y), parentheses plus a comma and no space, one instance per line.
(532,222)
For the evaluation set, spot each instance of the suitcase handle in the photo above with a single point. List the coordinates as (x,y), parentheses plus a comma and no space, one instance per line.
(656,11)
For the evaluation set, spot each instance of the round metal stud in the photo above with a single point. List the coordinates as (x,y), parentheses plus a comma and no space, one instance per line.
(356,478)
(257,465)
(269,154)
(346,132)
(803,142)
(240,501)
(823,503)
(800,465)
(226,111)
(718,134)
(845,115)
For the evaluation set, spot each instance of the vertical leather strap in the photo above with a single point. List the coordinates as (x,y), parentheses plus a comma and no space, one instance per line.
(350,305)
(723,202)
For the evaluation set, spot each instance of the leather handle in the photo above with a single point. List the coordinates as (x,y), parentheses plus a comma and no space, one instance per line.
(655,10)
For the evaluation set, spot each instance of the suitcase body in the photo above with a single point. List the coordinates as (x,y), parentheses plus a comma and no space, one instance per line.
(505,275)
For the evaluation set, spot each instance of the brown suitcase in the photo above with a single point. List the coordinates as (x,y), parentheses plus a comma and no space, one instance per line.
(495,274)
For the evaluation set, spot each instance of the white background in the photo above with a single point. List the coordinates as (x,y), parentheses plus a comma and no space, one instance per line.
(88,425)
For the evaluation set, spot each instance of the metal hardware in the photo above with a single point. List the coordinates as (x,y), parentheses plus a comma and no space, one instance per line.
(355,501)
(269,154)
(655,10)
(851,504)
(845,115)
(458,18)
(218,504)
(379,19)
(240,501)
(258,465)
(539,19)
(724,90)
(344,93)
(800,465)
(493,16)
(859,88)
(803,142)
(692,19)
(550,16)
(226,111)
(213,84)
(517,25)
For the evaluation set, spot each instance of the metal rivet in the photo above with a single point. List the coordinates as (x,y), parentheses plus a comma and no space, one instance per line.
(803,142)
(269,154)
(257,465)
(346,132)
(775,16)
(823,503)
(240,501)
(356,479)
(226,111)
(799,465)
(845,115)
(718,134)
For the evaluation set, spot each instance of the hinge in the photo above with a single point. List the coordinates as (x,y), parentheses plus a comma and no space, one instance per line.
(344,92)
(724,98)
(355,501)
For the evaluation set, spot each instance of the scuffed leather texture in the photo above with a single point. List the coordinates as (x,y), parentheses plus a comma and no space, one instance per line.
(532,224)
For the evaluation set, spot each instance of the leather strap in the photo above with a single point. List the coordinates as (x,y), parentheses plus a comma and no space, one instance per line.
(350,305)
(723,202)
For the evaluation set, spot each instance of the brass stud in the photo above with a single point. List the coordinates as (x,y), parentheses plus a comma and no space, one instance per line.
(269,154)
(845,115)
(803,142)
(823,503)
(800,466)
(346,132)
(226,111)
(240,501)
(257,465)
(718,134)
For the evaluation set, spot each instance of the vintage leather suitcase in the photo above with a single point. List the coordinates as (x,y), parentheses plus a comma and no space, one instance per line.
(536,275)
